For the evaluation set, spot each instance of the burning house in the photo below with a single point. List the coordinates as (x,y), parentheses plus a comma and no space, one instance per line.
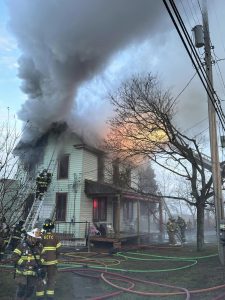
(86,188)
(68,46)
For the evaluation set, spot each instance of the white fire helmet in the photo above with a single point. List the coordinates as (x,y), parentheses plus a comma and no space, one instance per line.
(36,233)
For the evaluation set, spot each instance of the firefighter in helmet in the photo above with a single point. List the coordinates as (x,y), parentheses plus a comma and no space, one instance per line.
(182,226)
(28,271)
(42,183)
(18,233)
(171,227)
(49,256)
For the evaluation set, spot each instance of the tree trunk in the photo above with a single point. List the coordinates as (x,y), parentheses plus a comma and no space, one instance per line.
(200,226)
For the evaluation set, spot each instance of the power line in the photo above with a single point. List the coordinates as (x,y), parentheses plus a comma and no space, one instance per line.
(185,12)
(219,26)
(185,86)
(196,124)
(190,48)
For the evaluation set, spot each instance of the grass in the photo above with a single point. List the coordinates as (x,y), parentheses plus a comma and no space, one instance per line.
(207,273)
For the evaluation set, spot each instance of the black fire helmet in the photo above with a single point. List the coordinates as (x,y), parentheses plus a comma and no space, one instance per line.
(48,224)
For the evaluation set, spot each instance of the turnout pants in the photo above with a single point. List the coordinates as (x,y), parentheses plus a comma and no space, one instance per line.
(171,235)
(51,272)
(26,285)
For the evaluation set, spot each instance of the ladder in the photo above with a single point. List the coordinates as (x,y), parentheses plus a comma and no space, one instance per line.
(33,214)
(166,208)
(46,212)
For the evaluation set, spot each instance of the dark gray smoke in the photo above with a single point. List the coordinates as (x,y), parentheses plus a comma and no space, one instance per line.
(65,43)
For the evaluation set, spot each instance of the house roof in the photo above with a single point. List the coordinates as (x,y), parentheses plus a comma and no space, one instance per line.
(89,148)
(96,188)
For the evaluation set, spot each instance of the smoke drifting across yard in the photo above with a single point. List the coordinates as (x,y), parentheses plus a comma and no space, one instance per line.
(66,43)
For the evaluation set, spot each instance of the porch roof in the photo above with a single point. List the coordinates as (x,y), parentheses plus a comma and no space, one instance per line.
(96,188)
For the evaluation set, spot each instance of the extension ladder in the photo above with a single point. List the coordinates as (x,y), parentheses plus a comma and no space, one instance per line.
(33,214)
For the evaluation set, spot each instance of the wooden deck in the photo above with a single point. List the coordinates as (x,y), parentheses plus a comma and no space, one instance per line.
(116,240)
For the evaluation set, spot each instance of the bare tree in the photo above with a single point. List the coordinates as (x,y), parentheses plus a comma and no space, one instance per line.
(144,127)
(13,180)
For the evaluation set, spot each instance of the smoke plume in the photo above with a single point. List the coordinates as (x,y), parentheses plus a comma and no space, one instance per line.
(66,43)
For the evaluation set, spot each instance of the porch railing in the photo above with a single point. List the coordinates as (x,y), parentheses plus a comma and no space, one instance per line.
(73,233)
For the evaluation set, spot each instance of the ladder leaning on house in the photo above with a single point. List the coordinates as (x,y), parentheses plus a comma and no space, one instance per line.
(33,214)
(36,210)
(166,208)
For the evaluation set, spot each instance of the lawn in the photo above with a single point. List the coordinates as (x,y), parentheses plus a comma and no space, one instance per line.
(79,276)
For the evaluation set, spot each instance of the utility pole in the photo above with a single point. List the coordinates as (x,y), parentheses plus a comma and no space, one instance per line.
(216,170)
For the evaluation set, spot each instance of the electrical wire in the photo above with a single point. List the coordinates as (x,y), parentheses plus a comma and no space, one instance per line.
(219,25)
(185,12)
(188,44)
(185,87)
(196,124)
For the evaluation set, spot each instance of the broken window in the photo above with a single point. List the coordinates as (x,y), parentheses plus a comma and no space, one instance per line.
(99,209)
(63,167)
(61,203)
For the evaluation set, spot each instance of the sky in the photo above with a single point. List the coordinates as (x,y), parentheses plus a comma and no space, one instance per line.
(59,61)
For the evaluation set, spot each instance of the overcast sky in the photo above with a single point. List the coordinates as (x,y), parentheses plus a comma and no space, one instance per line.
(69,54)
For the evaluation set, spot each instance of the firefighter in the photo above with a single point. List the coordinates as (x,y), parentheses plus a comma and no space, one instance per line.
(49,256)
(171,230)
(18,233)
(42,183)
(181,225)
(4,236)
(28,271)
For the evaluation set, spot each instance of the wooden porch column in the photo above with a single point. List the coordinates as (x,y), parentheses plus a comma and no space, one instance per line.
(117,215)
(138,221)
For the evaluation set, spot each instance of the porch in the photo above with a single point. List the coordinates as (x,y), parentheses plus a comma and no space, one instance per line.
(117,240)
(130,214)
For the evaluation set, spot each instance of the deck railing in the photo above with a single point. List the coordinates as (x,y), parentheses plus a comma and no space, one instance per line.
(73,233)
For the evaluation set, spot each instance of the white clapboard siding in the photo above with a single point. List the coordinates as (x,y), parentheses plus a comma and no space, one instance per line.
(53,150)
(83,164)
(90,171)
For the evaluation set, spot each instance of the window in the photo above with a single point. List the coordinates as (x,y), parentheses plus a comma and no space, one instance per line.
(61,202)
(128,210)
(99,209)
(63,167)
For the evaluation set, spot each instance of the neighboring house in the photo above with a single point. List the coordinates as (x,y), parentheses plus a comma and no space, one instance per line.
(11,199)
(79,191)
(8,198)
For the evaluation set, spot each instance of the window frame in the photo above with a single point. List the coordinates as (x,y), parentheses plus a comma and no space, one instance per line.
(63,218)
(128,210)
(100,212)
(60,161)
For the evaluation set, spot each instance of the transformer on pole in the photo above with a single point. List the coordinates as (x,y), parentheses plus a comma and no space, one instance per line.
(198,36)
